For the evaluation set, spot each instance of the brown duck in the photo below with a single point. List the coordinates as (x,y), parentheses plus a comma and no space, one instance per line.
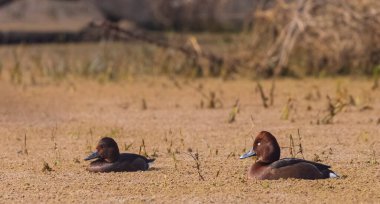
(109,159)
(270,166)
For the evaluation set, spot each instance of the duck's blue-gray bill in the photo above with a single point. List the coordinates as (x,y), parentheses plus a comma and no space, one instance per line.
(93,155)
(248,154)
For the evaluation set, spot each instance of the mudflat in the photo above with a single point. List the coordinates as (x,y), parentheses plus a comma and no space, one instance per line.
(47,130)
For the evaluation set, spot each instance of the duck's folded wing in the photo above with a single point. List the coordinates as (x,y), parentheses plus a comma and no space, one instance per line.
(291,161)
(131,157)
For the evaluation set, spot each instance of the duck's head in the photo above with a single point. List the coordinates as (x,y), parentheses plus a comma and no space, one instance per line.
(265,147)
(106,149)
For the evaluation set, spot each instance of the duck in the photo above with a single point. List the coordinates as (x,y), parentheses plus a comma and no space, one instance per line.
(269,166)
(109,159)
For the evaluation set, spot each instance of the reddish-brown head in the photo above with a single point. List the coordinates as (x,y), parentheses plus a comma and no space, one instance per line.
(107,149)
(265,147)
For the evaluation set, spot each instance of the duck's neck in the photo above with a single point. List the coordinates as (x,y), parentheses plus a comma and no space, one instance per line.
(260,163)
(258,170)
(113,158)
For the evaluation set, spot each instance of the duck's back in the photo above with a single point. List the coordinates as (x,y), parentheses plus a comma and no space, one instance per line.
(299,169)
(125,162)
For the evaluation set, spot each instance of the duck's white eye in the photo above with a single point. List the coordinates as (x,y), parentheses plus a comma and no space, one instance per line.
(258,144)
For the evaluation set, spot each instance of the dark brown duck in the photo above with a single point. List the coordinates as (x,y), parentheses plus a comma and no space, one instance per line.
(270,166)
(109,159)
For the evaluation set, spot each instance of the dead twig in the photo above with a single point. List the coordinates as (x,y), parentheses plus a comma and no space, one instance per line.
(271,93)
(142,149)
(264,98)
(300,148)
(54,132)
(144,105)
(46,167)
(291,146)
(197,164)
(127,147)
(25,149)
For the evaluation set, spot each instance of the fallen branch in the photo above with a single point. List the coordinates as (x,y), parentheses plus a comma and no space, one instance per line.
(191,51)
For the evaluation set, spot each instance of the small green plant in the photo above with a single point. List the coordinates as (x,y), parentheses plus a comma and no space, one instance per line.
(373,160)
(376,76)
(1,69)
(16,73)
(364,137)
(57,153)
(333,109)
(233,113)
(287,109)
(174,160)
(265,184)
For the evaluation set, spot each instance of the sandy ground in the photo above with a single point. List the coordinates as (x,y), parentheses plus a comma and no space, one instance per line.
(62,123)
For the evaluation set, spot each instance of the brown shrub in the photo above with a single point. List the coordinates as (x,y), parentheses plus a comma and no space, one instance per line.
(307,37)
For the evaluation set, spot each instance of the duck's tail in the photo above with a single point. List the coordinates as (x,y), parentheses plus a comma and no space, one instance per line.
(332,174)
(150,162)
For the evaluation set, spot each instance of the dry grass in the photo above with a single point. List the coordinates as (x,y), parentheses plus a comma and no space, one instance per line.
(286,37)
(306,37)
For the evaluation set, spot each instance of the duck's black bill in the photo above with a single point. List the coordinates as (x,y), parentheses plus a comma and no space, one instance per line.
(251,153)
(94,155)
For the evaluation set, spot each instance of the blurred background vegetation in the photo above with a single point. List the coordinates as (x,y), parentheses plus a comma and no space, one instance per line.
(250,38)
